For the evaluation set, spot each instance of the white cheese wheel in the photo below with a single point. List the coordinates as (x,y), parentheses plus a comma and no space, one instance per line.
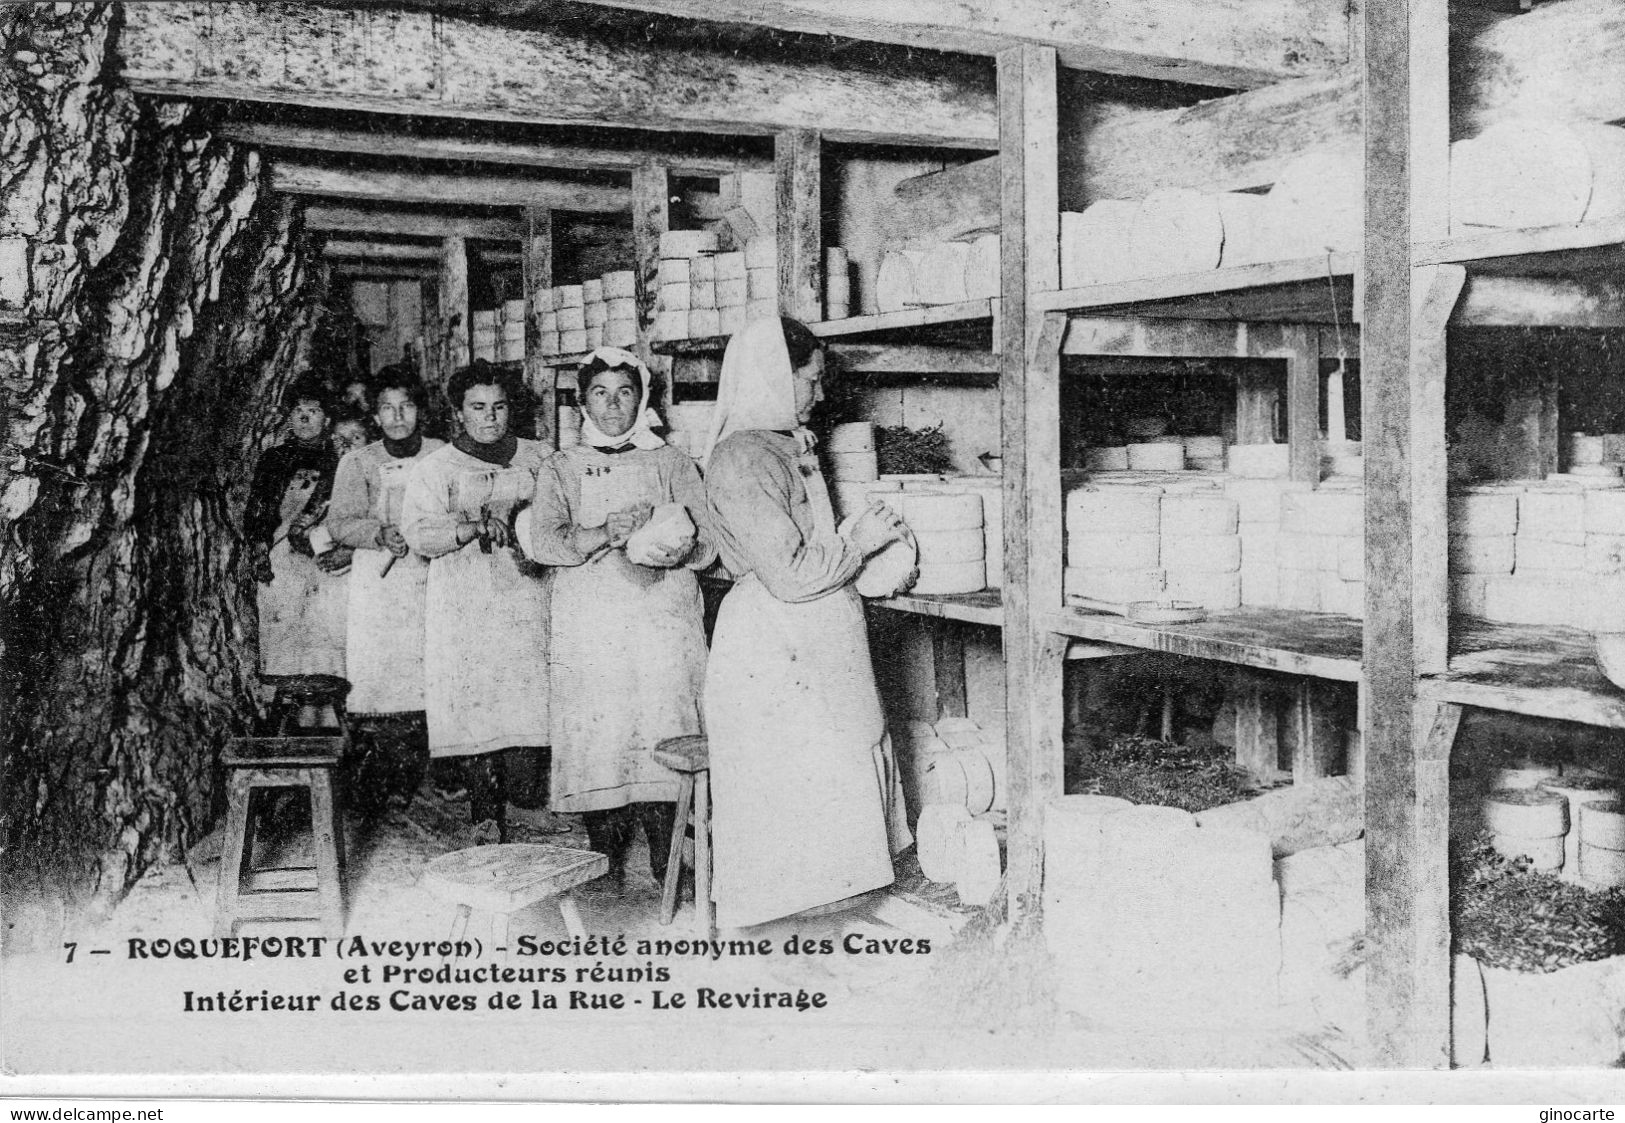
(671,324)
(853,436)
(924,512)
(573,318)
(1559,516)
(1351,558)
(730,266)
(1114,586)
(1219,592)
(1601,868)
(1602,823)
(1204,447)
(1177,230)
(621,333)
(940,276)
(1604,512)
(702,294)
(1259,543)
(1157,457)
(548,320)
(1323,512)
(943,547)
(1249,223)
(1526,812)
(547,342)
(1305,553)
(895,280)
(1603,472)
(1258,501)
(1528,600)
(1112,458)
(485,321)
(1532,171)
(573,342)
(1578,449)
(837,289)
(1113,511)
(1199,553)
(762,253)
(595,337)
(1605,554)
(1340,596)
(543,300)
(1543,853)
(762,284)
(687,243)
(731,293)
(952,577)
(674,271)
(1198,515)
(596,313)
(1482,554)
(1299,589)
(702,270)
(592,291)
(982,268)
(854,466)
(620,285)
(837,311)
(1096,244)
(1260,585)
(1489,515)
(675,298)
(732,321)
(570,296)
(937,837)
(513,311)
(1593,478)
(704,322)
(1113,551)
(621,308)
(978,867)
(1467,593)
(1538,555)
(1258,461)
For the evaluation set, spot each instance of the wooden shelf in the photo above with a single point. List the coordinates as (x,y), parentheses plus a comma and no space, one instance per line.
(985,607)
(932,321)
(700,345)
(1544,251)
(1544,672)
(1295,291)
(1322,645)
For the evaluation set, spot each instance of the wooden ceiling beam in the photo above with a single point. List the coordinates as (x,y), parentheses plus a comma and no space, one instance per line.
(399,145)
(1232,44)
(455,190)
(353,220)
(429,63)
(380,251)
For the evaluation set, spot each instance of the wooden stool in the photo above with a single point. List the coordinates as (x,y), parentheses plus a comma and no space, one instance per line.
(689,756)
(284,892)
(504,878)
(294,693)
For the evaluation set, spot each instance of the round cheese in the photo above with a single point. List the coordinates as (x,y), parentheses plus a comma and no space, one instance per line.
(943,547)
(856,436)
(926,512)
(1113,551)
(1202,553)
(1198,515)
(687,243)
(858,467)
(1112,511)
(1166,456)
(955,577)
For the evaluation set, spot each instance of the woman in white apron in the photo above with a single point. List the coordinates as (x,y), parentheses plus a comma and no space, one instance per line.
(384,632)
(485,609)
(808,811)
(628,631)
(288,500)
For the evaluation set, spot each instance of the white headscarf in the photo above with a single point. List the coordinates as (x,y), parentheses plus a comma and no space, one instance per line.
(757,387)
(640,435)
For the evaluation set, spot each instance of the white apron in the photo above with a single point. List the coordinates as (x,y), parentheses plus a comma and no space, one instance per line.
(486,632)
(628,661)
(808,806)
(384,646)
(302,610)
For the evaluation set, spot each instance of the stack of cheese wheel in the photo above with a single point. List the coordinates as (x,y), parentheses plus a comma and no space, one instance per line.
(991,489)
(1483,521)
(851,449)
(544,307)
(594,312)
(915,743)
(687,276)
(837,284)
(1528,823)
(1522,172)
(572,318)
(704,319)
(1258,462)
(1317,204)
(761,278)
(948,529)
(482,340)
(511,348)
(1200,550)
(1602,843)
(569,426)
(1205,453)
(1096,244)
(1113,541)
(732,291)
(1579,790)
(1160,455)
(896,280)
(1108,458)
(1320,551)
(620,308)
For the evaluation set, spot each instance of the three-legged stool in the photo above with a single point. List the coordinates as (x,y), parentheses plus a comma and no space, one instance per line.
(313,892)
(506,877)
(690,757)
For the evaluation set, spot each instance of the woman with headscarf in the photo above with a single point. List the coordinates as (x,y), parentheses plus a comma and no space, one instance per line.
(485,608)
(628,632)
(807,810)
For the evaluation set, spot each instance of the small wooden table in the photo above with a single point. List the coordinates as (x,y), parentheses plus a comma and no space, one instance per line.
(500,880)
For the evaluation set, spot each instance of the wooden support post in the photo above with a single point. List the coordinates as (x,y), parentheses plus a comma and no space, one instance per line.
(1434,290)
(454,324)
(1257,732)
(1316,735)
(538,275)
(1406,82)
(1436,724)
(1303,403)
(651,217)
(948,663)
(1030,410)
(798,173)
(1257,396)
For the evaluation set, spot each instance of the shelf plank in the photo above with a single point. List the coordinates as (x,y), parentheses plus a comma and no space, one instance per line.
(966,312)
(1543,251)
(985,607)
(1319,644)
(1544,672)
(699,345)
(1292,291)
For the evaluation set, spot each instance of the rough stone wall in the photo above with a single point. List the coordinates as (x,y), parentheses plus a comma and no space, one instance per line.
(164,300)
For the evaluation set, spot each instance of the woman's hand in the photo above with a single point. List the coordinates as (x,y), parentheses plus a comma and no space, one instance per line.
(622,524)
(496,532)
(336,559)
(394,541)
(589,539)
(875,528)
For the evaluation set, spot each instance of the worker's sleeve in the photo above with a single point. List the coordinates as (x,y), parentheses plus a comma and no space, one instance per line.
(552,526)
(427,520)
(687,488)
(750,492)
(350,519)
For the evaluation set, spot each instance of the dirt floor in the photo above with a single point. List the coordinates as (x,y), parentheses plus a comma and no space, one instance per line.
(977,1000)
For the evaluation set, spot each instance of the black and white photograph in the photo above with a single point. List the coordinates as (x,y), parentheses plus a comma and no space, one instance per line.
(813,550)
